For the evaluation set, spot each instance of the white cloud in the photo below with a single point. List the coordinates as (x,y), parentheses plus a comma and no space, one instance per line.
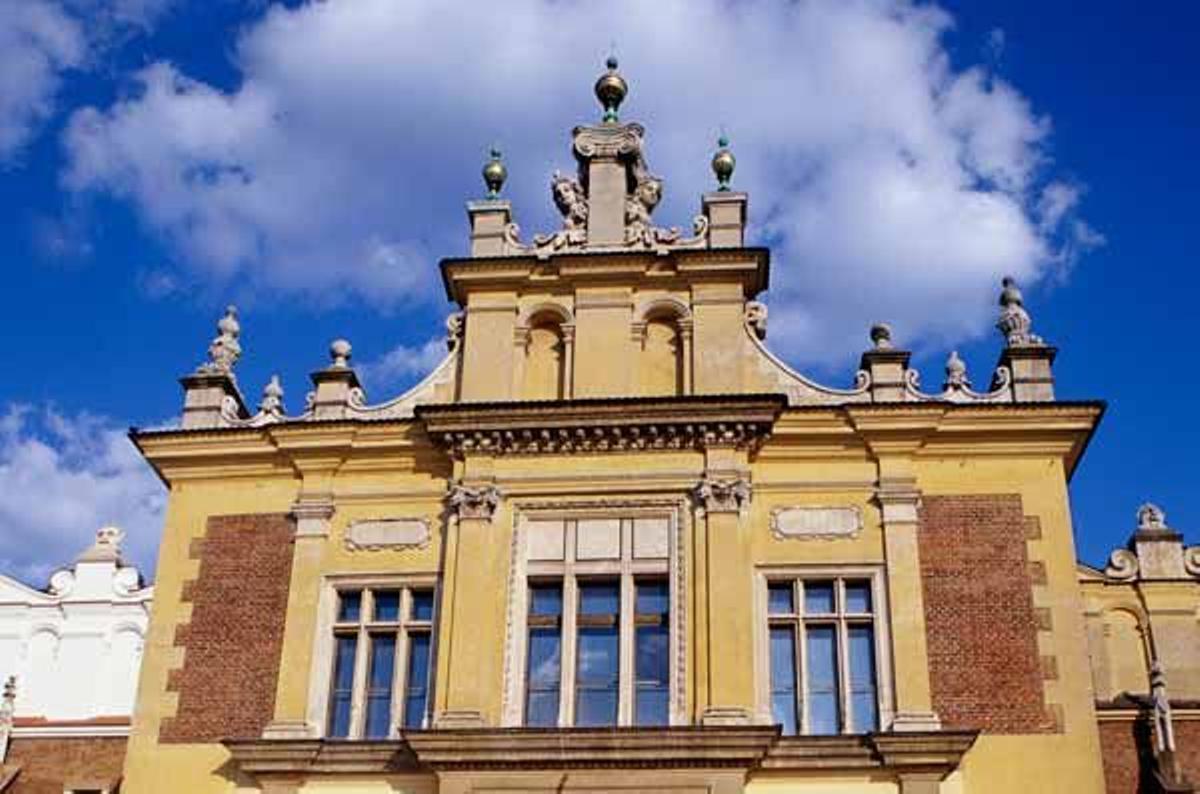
(63,477)
(890,185)
(38,41)
(403,365)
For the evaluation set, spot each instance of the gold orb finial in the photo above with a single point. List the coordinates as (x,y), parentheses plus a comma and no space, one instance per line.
(723,163)
(494,174)
(611,89)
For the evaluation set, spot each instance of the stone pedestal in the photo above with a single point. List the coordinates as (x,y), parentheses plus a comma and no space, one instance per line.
(489,219)
(203,397)
(335,386)
(726,213)
(1032,376)
(887,367)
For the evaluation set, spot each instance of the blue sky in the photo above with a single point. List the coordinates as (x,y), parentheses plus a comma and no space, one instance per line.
(161,158)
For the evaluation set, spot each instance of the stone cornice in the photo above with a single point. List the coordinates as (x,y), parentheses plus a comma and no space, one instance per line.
(750,265)
(602,425)
(528,749)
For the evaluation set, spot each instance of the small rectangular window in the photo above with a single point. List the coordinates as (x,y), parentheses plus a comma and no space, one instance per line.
(416,691)
(342,697)
(380,673)
(387,606)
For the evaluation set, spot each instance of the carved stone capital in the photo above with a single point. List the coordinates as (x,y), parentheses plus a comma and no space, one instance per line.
(480,501)
(608,140)
(311,514)
(723,495)
(898,504)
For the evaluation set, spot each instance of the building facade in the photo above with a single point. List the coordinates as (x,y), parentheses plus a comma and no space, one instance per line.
(69,657)
(612,542)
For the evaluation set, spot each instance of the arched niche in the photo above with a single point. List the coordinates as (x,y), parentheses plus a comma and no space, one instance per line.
(1126,651)
(545,340)
(662,329)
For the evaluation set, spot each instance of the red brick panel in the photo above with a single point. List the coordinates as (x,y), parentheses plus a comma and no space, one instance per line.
(984,666)
(48,766)
(232,643)
(1187,748)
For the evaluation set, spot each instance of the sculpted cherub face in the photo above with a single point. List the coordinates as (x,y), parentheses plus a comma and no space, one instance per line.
(564,191)
(649,192)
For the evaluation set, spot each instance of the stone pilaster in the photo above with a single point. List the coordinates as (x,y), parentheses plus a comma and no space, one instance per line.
(723,496)
(472,675)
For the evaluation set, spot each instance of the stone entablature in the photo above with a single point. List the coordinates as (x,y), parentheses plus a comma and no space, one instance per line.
(73,650)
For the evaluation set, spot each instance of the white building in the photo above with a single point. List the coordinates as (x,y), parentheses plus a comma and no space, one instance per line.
(74,650)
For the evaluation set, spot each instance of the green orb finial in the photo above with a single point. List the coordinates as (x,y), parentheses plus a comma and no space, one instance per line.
(723,163)
(494,174)
(611,89)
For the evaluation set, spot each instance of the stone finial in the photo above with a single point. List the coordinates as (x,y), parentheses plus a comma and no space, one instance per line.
(272,398)
(1014,321)
(881,336)
(224,350)
(339,352)
(611,90)
(494,174)
(956,372)
(723,163)
(107,546)
(1151,518)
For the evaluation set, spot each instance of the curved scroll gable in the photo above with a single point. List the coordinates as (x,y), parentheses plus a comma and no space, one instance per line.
(799,389)
(437,387)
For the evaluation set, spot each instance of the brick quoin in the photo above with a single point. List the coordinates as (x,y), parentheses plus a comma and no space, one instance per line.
(233,641)
(984,667)
(48,766)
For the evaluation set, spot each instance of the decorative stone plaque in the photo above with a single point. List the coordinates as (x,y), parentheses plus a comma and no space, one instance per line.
(387,533)
(815,523)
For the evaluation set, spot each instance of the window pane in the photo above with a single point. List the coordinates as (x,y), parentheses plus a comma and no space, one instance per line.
(422,605)
(822,680)
(349,606)
(599,598)
(858,597)
(543,677)
(416,685)
(652,662)
(343,684)
(818,598)
(387,605)
(653,598)
(379,686)
(545,599)
(596,676)
(783,677)
(863,699)
(780,599)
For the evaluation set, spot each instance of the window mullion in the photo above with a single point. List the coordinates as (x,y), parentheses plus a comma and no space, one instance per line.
(362,652)
(400,666)
(843,657)
(801,672)
(625,642)
(566,700)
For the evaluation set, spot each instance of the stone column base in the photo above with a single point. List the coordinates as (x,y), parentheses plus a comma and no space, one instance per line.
(458,719)
(726,715)
(915,721)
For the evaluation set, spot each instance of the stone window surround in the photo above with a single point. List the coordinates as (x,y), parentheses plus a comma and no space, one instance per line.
(765,574)
(321,670)
(522,571)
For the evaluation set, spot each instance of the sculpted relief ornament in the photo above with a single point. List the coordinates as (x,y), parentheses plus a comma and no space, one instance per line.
(225,350)
(723,495)
(467,501)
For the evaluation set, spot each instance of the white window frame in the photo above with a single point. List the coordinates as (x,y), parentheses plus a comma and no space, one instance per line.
(569,572)
(874,574)
(324,643)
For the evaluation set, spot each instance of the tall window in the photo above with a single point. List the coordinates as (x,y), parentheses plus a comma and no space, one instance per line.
(594,643)
(382,640)
(600,636)
(823,676)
